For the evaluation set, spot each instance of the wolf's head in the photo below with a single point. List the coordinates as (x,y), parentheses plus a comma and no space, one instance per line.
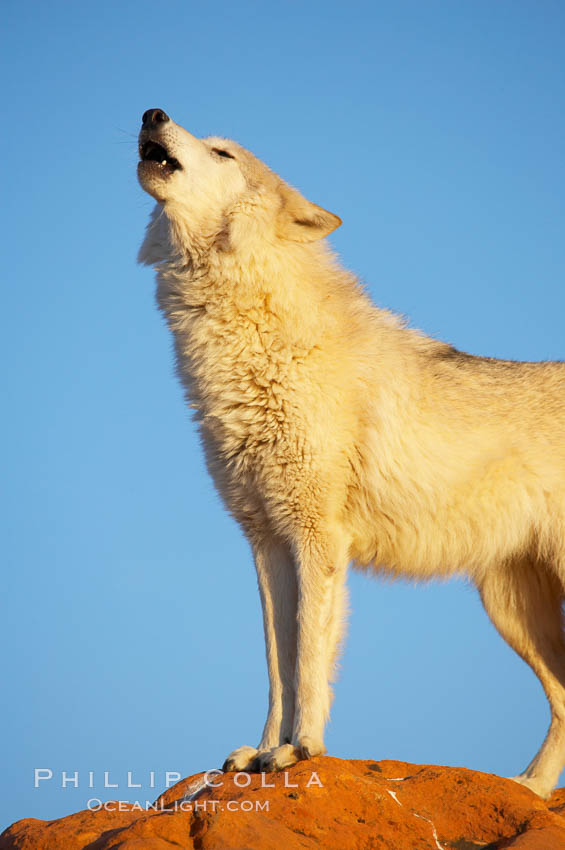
(219,191)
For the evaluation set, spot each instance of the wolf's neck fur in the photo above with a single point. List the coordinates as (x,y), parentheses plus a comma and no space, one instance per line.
(239,316)
(300,286)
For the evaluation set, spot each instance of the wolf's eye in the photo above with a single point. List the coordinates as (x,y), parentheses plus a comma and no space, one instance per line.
(221,152)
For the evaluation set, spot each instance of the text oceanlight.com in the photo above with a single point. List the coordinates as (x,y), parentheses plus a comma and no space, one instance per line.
(211,806)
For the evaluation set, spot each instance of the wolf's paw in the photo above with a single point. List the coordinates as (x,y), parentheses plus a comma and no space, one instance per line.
(286,755)
(240,759)
(536,785)
(277,759)
(310,747)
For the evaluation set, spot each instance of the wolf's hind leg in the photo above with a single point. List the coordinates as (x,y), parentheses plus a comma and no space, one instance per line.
(524,601)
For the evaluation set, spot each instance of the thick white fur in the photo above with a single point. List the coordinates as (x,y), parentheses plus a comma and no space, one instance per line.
(335,435)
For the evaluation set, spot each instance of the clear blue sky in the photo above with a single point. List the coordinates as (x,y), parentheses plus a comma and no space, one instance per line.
(132,629)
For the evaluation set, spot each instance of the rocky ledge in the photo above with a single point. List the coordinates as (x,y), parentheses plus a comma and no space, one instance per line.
(321,803)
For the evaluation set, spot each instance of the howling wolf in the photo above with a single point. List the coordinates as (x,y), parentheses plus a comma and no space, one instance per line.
(336,435)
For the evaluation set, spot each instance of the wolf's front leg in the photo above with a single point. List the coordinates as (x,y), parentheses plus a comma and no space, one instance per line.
(276,576)
(321,570)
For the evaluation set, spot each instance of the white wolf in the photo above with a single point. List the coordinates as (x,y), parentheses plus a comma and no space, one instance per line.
(335,434)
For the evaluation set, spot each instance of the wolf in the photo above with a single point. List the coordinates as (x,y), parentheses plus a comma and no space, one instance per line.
(337,435)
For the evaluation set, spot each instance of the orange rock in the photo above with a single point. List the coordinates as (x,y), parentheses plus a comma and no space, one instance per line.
(321,803)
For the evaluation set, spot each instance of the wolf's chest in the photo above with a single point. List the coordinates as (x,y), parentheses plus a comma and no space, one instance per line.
(240,379)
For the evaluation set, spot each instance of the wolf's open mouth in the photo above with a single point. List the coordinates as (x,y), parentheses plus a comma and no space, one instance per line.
(154,152)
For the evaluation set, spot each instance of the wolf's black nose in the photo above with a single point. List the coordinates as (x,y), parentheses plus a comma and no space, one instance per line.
(153,117)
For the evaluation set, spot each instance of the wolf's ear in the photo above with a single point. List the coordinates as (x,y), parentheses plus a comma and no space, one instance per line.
(301,221)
